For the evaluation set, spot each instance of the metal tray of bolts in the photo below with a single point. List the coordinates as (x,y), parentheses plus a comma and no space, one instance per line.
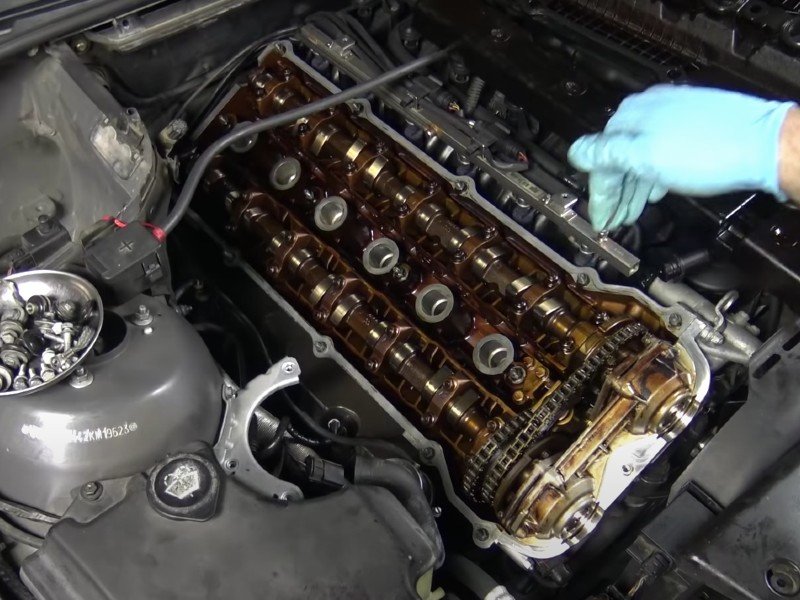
(49,322)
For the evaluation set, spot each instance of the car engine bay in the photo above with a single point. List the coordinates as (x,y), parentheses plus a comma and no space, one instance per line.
(302,300)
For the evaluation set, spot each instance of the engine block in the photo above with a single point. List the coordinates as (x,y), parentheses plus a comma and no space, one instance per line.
(548,392)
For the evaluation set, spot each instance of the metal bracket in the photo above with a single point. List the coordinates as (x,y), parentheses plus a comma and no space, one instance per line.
(233,447)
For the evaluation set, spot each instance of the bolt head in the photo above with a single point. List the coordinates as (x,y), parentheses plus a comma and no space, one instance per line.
(288,368)
(675,320)
(91,490)
(516,374)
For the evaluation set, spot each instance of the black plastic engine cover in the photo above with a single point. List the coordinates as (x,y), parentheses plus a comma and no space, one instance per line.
(359,543)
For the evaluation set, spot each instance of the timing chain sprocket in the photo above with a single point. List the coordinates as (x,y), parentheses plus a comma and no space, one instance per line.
(487,467)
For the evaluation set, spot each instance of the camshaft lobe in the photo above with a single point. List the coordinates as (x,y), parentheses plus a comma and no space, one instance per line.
(350,313)
(358,190)
(526,299)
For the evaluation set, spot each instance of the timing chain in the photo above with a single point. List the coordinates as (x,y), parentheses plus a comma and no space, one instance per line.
(487,467)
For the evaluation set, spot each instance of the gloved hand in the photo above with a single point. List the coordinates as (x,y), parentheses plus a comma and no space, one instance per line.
(689,140)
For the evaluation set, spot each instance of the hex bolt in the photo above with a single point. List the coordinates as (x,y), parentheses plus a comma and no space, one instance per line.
(21,379)
(583,279)
(92,490)
(481,534)
(66,335)
(143,316)
(515,374)
(427,454)
(675,320)
(81,378)
(80,45)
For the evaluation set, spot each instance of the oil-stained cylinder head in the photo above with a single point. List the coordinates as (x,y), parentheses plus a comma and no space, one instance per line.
(537,387)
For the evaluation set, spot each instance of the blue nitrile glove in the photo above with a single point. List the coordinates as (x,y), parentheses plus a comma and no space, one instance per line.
(689,140)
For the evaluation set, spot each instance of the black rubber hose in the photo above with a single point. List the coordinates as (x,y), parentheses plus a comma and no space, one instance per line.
(402,479)
(13,532)
(305,440)
(395,44)
(474,578)
(245,130)
(353,442)
(277,439)
(229,66)
(85,14)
